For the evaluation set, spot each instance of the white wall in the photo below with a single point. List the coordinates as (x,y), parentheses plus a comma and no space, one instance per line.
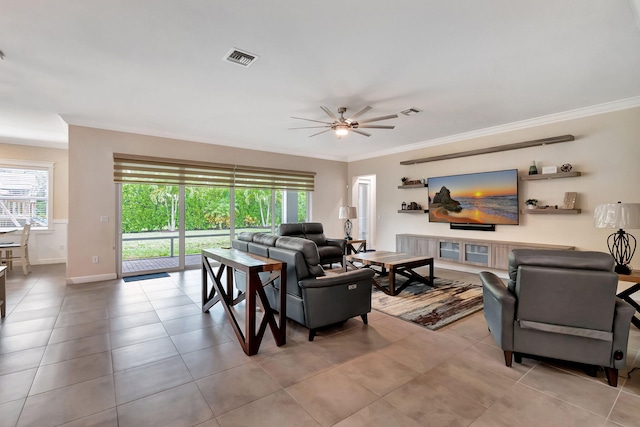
(92,192)
(606,151)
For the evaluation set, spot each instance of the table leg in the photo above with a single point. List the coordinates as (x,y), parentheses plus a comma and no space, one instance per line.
(626,296)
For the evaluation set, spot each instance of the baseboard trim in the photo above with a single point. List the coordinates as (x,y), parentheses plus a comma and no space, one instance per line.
(50,261)
(89,279)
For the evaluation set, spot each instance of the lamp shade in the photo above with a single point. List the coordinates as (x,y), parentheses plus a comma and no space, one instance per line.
(617,215)
(348,212)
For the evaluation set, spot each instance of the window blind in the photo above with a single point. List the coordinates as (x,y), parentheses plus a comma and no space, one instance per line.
(132,169)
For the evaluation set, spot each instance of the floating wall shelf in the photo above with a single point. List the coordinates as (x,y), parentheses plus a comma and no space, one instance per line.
(412,186)
(413,210)
(517,145)
(553,211)
(550,176)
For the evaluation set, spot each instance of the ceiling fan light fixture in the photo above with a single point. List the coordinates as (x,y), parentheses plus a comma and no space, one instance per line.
(342,130)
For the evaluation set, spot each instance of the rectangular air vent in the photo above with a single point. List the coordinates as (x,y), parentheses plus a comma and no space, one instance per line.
(240,57)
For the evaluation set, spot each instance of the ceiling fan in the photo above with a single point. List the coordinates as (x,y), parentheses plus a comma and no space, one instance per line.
(342,126)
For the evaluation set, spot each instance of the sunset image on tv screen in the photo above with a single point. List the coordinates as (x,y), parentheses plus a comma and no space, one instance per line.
(478,198)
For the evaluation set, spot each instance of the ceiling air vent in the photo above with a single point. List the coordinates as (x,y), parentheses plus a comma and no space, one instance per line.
(240,57)
(410,111)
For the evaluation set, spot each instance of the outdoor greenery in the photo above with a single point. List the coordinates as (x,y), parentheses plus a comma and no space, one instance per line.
(150,217)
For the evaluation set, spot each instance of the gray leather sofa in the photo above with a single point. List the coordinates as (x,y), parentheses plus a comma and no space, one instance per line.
(330,250)
(314,298)
(560,305)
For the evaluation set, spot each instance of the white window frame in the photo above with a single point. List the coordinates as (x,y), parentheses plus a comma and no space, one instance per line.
(36,165)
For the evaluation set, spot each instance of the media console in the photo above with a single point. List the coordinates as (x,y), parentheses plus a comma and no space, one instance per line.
(478,252)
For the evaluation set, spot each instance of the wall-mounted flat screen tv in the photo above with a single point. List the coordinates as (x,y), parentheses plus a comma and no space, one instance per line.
(475,198)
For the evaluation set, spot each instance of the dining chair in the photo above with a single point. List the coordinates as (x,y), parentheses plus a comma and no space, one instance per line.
(21,251)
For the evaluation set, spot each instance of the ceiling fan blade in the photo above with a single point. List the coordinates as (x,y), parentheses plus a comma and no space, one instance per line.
(376,119)
(329,113)
(319,133)
(311,127)
(360,132)
(375,126)
(359,113)
(309,120)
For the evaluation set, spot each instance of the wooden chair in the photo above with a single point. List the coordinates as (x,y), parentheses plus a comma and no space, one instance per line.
(21,251)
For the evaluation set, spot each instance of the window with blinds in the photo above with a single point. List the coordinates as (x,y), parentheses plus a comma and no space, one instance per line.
(160,171)
(25,189)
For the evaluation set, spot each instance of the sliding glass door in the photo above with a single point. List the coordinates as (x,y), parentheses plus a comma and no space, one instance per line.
(164,228)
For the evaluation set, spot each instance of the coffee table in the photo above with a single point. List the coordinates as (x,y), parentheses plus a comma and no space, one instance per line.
(392,263)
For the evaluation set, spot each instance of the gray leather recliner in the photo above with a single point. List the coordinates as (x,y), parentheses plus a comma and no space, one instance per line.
(314,299)
(560,305)
(330,250)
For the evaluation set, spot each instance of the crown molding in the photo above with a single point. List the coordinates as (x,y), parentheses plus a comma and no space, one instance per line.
(578,113)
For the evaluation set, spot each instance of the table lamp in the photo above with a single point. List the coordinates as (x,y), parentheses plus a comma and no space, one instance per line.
(348,213)
(622,245)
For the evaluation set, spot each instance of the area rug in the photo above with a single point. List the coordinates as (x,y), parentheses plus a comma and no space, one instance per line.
(145,277)
(431,307)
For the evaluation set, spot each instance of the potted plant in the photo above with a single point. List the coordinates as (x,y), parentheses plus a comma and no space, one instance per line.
(404,180)
(531,203)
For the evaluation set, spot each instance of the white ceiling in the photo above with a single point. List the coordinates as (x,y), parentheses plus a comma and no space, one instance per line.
(155,67)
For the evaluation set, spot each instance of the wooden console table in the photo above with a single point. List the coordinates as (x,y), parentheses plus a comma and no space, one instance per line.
(250,265)
(350,249)
(626,294)
(3,291)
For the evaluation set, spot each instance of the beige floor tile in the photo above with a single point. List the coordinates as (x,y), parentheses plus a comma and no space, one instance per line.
(235,387)
(31,315)
(142,353)
(275,410)
(188,324)
(176,312)
(331,396)
(491,358)
(24,341)
(68,403)
(28,326)
(171,302)
(75,348)
(108,418)
(16,385)
(83,330)
(126,299)
(134,383)
(523,406)
(133,320)
(429,403)
(38,305)
(137,335)
(199,339)
(127,309)
(474,327)
(70,319)
(164,294)
(587,394)
(177,407)
(10,412)
(380,414)
(626,411)
(20,360)
(470,380)
(56,375)
(294,365)
(211,360)
(378,373)
(211,423)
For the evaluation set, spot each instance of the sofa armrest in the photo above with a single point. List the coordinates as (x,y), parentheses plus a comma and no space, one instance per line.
(340,279)
(621,325)
(499,309)
(341,243)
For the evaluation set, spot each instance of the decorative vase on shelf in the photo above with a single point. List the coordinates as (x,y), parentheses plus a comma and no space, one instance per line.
(404,206)
(533,170)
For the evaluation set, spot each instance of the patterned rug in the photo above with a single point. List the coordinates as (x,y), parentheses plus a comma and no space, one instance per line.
(431,307)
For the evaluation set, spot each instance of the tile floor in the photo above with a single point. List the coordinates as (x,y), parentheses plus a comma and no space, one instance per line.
(142,353)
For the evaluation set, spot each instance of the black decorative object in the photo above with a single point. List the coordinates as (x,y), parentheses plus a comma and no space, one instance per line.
(566,167)
(533,170)
(622,245)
